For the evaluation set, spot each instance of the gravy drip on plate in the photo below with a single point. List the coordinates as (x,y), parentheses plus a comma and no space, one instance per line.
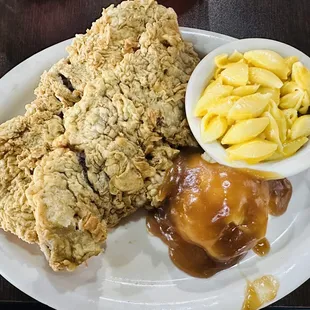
(262,248)
(213,214)
(260,292)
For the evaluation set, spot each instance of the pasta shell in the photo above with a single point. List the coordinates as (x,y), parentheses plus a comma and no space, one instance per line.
(305,104)
(236,74)
(262,136)
(275,93)
(223,105)
(269,60)
(289,87)
(230,122)
(275,156)
(280,119)
(253,151)
(213,84)
(235,57)
(221,60)
(203,105)
(291,116)
(288,132)
(217,73)
(245,130)
(249,107)
(205,121)
(210,96)
(245,90)
(215,128)
(301,127)
(292,100)
(291,147)
(272,131)
(282,127)
(264,78)
(290,61)
(301,75)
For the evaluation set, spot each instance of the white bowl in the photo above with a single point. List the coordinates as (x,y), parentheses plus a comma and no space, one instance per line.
(199,80)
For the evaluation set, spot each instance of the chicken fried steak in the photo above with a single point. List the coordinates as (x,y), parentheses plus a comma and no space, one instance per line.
(96,143)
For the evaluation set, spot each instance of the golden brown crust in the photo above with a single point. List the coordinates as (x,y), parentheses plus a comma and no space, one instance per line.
(68,223)
(95,144)
(23,142)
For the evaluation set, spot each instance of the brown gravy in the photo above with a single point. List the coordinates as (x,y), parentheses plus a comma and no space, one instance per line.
(262,248)
(280,196)
(188,257)
(213,215)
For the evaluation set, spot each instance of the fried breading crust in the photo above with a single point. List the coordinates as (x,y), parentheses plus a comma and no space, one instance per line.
(23,142)
(68,222)
(141,103)
(106,125)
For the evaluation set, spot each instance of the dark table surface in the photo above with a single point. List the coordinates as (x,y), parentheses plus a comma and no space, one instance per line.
(28,26)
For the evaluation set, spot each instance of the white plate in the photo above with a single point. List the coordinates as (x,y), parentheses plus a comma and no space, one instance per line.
(136,272)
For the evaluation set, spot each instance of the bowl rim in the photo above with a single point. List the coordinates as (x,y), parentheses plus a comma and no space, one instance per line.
(198,81)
